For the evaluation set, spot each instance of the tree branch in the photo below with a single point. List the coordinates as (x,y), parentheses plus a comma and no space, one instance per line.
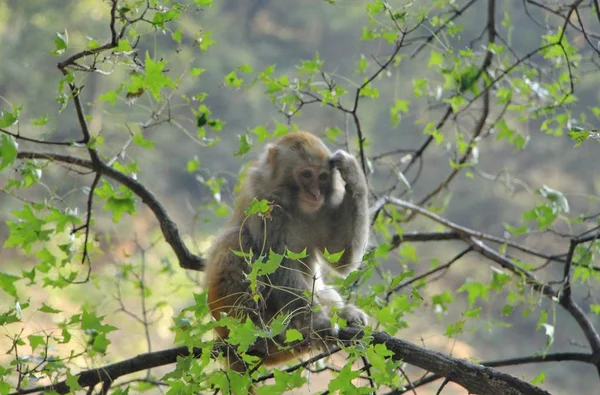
(169,229)
(556,357)
(591,334)
(90,378)
(476,378)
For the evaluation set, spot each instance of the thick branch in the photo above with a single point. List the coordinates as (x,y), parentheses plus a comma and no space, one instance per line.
(556,357)
(110,373)
(476,378)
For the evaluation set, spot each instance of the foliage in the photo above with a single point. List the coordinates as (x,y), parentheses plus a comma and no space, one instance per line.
(438,103)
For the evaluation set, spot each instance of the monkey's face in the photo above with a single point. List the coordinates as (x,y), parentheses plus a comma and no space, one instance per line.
(313,184)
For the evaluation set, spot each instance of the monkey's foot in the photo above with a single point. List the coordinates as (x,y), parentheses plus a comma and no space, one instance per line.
(354,316)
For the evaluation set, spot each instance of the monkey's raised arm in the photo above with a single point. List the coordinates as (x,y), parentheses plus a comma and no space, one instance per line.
(349,229)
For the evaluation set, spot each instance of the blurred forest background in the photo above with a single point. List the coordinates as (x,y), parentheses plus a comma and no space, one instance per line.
(195,175)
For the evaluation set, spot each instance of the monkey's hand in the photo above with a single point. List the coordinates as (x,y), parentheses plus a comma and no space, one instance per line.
(349,170)
(354,316)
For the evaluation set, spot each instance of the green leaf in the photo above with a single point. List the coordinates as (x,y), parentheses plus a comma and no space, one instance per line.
(233,81)
(246,68)
(280,129)
(8,150)
(123,46)
(556,197)
(9,317)
(293,335)
(268,267)
(205,41)
(539,379)
(47,309)
(506,23)
(311,67)
(579,135)
(420,87)
(369,34)
(153,79)
(475,290)
(332,133)
(473,313)
(196,72)
(100,343)
(595,309)
(455,329)
(90,321)
(258,207)
(435,59)
(296,255)
(499,279)
(244,335)
(435,133)
(111,96)
(543,214)
(244,144)
(119,201)
(27,230)
(261,133)
(332,258)
(7,283)
(343,381)
(30,275)
(369,91)
(201,119)
(139,139)
(8,119)
(92,44)
(443,300)
(284,382)
(362,65)
(6,387)
(41,121)
(383,371)
(35,341)
(375,7)
(203,3)
(193,165)
(399,106)
(177,36)
(408,251)
(73,382)
(467,78)
(278,324)
(516,231)
(61,43)
(162,16)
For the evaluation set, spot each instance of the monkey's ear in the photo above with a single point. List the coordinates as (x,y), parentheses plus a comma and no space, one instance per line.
(271,155)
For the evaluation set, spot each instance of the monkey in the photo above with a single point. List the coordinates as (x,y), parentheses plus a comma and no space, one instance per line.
(319,202)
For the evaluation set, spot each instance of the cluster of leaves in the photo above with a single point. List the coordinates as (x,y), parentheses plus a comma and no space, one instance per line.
(63,240)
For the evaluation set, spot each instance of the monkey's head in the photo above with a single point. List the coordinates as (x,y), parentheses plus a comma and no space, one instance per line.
(295,169)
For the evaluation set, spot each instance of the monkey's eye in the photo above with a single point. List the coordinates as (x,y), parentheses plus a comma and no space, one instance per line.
(323,177)
(306,174)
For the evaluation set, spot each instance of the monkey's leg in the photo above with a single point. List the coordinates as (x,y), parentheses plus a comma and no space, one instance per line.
(290,294)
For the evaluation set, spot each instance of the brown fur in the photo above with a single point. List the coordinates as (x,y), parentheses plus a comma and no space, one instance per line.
(320,201)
